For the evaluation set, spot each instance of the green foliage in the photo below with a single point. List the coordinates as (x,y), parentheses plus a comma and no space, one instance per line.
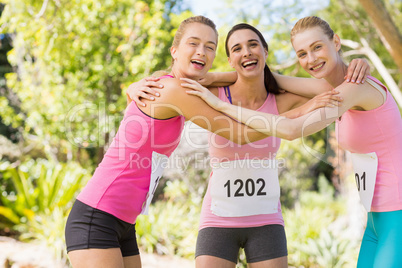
(329,251)
(297,161)
(74,59)
(43,196)
(350,21)
(172,224)
(314,230)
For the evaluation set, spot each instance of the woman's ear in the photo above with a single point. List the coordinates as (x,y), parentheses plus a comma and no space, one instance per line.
(337,42)
(266,54)
(230,62)
(173,52)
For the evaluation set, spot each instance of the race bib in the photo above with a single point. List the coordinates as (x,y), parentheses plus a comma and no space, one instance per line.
(159,161)
(365,168)
(244,188)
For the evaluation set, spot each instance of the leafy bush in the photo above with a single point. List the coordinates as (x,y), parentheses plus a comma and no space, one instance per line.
(171,227)
(42,199)
(314,231)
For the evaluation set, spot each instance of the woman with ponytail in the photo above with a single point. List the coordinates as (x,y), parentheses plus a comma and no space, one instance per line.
(241,208)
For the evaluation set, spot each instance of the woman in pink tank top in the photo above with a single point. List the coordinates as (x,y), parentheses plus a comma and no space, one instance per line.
(369,125)
(250,217)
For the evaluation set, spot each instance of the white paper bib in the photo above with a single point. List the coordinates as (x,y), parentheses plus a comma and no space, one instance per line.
(365,168)
(244,188)
(159,161)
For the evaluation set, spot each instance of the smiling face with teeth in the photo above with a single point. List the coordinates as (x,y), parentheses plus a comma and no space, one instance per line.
(317,53)
(196,51)
(247,54)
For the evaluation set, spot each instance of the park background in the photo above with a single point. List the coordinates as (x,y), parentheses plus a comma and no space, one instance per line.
(64,69)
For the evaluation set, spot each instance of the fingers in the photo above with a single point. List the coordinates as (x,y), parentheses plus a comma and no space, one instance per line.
(190,81)
(364,72)
(358,71)
(333,97)
(149,88)
(353,71)
(368,72)
(192,86)
(150,84)
(194,92)
(152,78)
(203,81)
(145,95)
(360,74)
(137,101)
(329,99)
(136,94)
(331,93)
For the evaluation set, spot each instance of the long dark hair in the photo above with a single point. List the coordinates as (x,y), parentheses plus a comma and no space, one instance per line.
(269,81)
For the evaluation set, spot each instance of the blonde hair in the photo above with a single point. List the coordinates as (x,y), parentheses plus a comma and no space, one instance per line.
(183,25)
(311,22)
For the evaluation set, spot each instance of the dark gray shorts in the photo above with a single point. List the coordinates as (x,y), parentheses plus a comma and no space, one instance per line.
(259,243)
(88,227)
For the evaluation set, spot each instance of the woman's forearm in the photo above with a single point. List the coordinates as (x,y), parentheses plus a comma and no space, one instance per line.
(306,87)
(280,126)
(221,79)
(262,122)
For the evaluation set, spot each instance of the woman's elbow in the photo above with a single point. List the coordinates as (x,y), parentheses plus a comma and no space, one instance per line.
(247,138)
(291,133)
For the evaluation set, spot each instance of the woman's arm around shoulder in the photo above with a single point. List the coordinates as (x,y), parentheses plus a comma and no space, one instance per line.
(174,100)
(358,70)
(291,105)
(282,127)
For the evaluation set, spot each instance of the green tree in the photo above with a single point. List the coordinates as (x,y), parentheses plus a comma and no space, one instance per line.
(362,37)
(73,60)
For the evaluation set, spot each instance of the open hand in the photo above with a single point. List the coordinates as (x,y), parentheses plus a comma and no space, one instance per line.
(357,71)
(207,80)
(144,89)
(202,92)
(326,99)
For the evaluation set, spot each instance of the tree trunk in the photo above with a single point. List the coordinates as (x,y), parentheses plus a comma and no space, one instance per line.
(389,33)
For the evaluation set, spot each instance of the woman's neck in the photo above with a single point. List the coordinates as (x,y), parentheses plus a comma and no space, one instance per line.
(249,92)
(176,73)
(337,76)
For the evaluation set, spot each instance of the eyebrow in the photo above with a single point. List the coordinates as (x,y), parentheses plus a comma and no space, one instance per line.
(197,38)
(312,44)
(251,40)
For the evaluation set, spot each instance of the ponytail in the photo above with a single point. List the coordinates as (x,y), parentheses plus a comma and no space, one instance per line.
(269,81)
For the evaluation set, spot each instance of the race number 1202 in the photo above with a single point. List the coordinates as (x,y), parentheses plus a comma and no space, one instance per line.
(248,187)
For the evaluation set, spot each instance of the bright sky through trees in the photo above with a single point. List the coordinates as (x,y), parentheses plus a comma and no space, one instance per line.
(217,10)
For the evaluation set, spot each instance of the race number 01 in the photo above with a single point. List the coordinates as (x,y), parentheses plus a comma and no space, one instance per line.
(358,179)
(249,187)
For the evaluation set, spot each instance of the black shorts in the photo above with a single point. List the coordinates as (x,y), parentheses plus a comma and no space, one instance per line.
(88,227)
(259,243)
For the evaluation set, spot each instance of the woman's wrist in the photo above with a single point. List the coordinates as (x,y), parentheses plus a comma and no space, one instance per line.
(223,106)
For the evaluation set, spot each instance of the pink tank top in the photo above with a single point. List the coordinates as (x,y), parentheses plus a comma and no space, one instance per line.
(121,182)
(380,131)
(220,150)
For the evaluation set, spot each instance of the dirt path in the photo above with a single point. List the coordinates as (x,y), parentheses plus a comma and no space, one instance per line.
(15,254)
